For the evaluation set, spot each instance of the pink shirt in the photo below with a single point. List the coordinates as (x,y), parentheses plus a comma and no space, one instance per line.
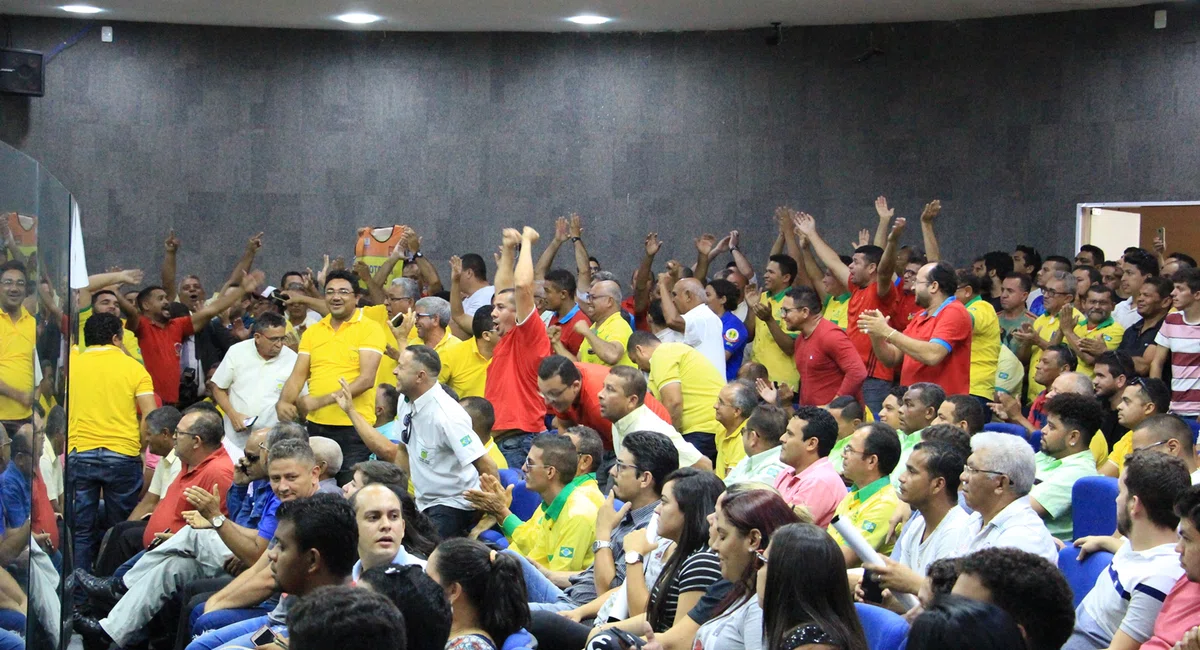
(818,487)
(1180,612)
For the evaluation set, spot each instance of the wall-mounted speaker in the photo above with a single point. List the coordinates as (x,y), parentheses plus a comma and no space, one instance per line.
(21,72)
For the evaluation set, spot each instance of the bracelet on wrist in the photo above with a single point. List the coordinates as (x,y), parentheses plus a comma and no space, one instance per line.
(888,338)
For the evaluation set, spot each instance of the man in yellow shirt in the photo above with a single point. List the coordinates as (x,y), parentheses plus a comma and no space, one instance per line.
(401,296)
(345,345)
(736,401)
(1096,332)
(1057,292)
(590,449)
(768,327)
(686,383)
(18,338)
(465,364)
(483,418)
(105,441)
(558,537)
(985,336)
(868,460)
(603,342)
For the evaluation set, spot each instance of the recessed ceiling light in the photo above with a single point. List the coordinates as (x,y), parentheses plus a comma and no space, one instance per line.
(82,9)
(358,18)
(589,19)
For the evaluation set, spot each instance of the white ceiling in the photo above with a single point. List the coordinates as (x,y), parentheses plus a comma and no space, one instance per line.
(549,15)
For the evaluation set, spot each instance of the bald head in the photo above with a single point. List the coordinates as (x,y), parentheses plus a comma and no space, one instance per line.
(688,294)
(329,455)
(1073,382)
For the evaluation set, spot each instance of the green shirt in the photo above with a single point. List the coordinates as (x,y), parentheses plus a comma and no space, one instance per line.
(907,442)
(763,467)
(1052,488)
(835,456)
(869,508)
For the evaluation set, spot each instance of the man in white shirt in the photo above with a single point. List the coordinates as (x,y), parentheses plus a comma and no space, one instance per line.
(996,481)
(476,289)
(438,447)
(685,309)
(1120,610)
(250,380)
(761,442)
(623,402)
(929,485)
(1138,266)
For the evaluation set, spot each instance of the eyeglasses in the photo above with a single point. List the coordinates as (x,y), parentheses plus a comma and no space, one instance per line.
(972,470)
(252,459)
(620,466)
(760,555)
(391,299)
(784,311)
(1152,446)
(181,432)
(339,292)
(527,465)
(1050,293)
(20,284)
(276,339)
(847,450)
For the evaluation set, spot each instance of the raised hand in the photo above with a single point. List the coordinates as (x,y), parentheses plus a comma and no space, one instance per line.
(255,243)
(932,209)
(510,238)
(882,209)
(653,245)
(411,241)
(721,247)
(705,244)
(734,239)
(805,224)
(530,234)
(1160,246)
(576,227)
(562,230)
(172,243)
(407,322)
(767,391)
(132,276)
(675,269)
(873,323)
(361,268)
(897,229)
(338,264)
(864,238)
(455,268)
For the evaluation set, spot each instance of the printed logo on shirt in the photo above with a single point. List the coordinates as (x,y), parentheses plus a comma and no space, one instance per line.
(869,526)
(465,440)
(732,335)
(566,551)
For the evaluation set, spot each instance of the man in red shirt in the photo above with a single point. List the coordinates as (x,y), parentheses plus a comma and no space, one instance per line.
(565,311)
(829,365)
(572,394)
(936,346)
(869,278)
(161,337)
(512,386)
(1180,613)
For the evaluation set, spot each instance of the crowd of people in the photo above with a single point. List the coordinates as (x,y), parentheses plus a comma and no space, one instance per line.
(712,456)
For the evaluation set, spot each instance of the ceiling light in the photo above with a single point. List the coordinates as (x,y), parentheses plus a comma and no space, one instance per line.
(589,19)
(357,18)
(82,9)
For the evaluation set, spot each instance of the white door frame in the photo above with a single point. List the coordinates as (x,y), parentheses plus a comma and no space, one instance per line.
(1081,207)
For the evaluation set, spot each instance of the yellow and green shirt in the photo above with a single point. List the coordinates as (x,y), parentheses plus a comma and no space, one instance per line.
(985,347)
(559,536)
(781,367)
(1110,330)
(837,310)
(1045,326)
(869,508)
(614,329)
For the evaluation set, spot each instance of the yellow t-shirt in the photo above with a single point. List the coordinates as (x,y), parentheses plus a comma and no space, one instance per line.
(387,365)
(781,367)
(493,452)
(463,368)
(17,342)
(1045,325)
(614,329)
(730,450)
(559,535)
(699,381)
(128,338)
(1120,450)
(1099,448)
(1111,330)
(869,509)
(334,356)
(985,347)
(837,310)
(105,414)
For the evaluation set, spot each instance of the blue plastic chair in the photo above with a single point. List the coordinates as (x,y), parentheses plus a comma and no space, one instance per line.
(1035,440)
(1082,575)
(1094,506)
(884,630)
(525,502)
(1005,427)
(521,640)
(1195,425)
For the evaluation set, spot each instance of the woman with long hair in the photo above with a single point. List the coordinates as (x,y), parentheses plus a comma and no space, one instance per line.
(745,522)
(688,497)
(807,604)
(486,591)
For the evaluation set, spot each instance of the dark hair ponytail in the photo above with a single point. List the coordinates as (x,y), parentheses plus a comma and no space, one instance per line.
(493,582)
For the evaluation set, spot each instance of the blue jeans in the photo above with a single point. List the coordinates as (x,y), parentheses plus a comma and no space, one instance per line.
(515,448)
(237,635)
(120,572)
(10,641)
(543,595)
(874,391)
(202,623)
(705,443)
(89,472)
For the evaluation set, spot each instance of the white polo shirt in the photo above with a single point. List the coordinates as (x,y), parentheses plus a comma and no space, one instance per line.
(943,542)
(478,299)
(1128,595)
(254,385)
(441,449)
(703,331)
(164,474)
(643,419)
(1016,526)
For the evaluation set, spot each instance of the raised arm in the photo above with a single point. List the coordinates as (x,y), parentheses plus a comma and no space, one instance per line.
(670,314)
(932,209)
(171,246)
(806,225)
(433,283)
(885,217)
(505,278)
(887,264)
(743,264)
(705,247)
(523,275)
(794,246)
(394,256)
(546,260)
(582,267)
(247,260)
(809,265)
(249,283)
(457,314)
(641,290)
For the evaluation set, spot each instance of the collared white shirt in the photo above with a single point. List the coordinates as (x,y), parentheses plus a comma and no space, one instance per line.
(704,332)
(763,467)
(1016,526)
(165,472)
(52,472)
(1125,313)
(481,297)
(254,385)
(441,449)
(943,542)
(403,558)
(643,419)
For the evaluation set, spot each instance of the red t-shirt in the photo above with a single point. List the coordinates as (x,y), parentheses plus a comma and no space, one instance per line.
(641,321)
(44,518)
(512,386)
(586,409)
(950,326)
(569,337)
(161,346)
(906,308)
(168,514)
(863,299)
(829,365)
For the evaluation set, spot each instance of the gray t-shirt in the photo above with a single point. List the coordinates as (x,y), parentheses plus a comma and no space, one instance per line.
(582,589)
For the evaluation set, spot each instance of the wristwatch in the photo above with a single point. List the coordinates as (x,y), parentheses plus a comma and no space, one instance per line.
(218,521)
(412,258)
(632,557)
(574,239)
(599,544)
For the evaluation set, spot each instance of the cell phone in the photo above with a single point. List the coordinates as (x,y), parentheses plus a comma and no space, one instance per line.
(249,422)
(265,636)
(1162,235)
(158,540)
(397,319)
(872,591)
